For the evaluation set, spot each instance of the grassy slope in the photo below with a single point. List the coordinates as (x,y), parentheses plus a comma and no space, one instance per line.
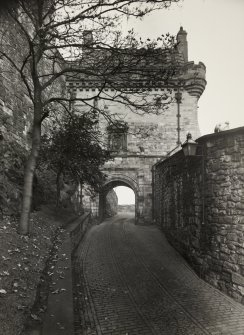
(22,260)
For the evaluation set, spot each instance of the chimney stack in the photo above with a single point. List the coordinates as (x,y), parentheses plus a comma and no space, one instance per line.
(182,43)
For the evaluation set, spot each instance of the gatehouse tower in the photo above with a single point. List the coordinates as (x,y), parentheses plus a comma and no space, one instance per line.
(138,141)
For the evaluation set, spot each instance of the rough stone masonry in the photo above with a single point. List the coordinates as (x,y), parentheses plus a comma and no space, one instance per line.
(199,204)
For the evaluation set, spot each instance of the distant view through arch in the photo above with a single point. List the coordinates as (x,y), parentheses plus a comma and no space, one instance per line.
(126,199)
(118,193)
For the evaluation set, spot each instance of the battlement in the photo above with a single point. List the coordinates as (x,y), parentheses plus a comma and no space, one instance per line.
(147,69)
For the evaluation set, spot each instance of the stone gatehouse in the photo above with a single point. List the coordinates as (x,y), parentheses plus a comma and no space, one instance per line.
(139,141)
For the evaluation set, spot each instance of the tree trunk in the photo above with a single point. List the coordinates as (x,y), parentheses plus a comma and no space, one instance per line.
(80,199)
(58,187)
(24,224)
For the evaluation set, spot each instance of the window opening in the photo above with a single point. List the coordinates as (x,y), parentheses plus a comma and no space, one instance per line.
(117,136)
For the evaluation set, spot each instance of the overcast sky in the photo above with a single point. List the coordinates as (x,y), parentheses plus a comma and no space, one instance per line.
(215,36)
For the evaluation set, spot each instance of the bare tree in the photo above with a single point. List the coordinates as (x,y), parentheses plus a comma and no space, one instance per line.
(56,42)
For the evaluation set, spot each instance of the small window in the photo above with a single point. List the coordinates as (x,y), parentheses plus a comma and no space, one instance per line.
(117,136)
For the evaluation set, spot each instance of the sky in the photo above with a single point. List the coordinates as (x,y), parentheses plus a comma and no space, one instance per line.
(215,37)
(125,195)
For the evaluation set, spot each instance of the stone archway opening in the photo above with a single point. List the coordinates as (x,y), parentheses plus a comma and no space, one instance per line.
(108,194)
(126,199)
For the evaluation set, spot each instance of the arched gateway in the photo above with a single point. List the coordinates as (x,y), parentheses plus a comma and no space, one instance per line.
(114,181)
(133,171)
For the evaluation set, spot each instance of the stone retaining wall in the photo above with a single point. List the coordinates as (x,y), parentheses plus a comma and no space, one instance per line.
(16,118)
(199,204)
(78,228)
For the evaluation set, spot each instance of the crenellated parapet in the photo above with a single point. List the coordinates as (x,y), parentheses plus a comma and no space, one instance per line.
(147,69)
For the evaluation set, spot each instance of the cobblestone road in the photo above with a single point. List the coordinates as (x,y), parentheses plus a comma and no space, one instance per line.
(130,281)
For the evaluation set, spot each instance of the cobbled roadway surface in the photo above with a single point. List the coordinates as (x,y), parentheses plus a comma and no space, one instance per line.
(129,281)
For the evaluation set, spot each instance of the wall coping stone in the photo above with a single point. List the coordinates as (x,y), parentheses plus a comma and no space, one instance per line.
(204,138)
